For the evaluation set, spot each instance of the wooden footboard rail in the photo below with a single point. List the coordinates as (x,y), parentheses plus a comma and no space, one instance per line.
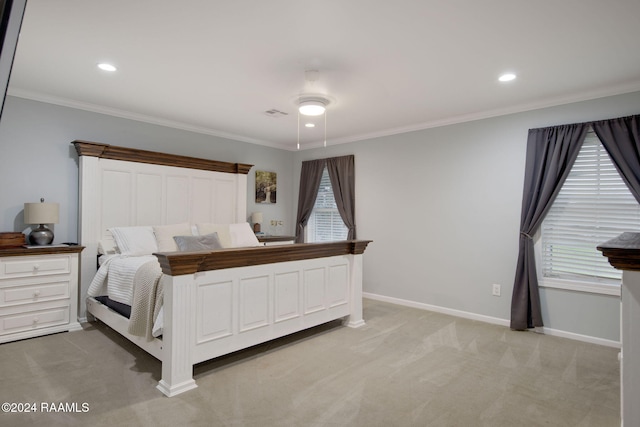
(225,300)
(179,263)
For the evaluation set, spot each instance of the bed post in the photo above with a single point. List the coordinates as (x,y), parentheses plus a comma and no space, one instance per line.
(241,198)
(178,335)
(355,319)
(88,226)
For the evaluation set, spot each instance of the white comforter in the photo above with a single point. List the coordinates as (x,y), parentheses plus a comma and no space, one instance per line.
(115,279)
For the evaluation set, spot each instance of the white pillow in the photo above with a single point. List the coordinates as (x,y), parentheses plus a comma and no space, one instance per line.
(135,240)
(107,247)
(242,235)
(165,233)
(222,229)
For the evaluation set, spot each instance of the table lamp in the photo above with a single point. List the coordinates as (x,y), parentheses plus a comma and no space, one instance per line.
(41,213)
(256,218)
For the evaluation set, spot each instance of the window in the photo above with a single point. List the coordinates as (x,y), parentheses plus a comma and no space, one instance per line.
(593,206)
(325,223)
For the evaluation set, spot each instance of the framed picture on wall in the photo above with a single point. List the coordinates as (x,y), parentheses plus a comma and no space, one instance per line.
(266,186)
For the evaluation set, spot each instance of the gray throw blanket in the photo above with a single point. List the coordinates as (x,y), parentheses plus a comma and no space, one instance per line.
(147,299)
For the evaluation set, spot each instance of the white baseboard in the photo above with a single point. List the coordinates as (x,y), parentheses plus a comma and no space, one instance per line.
(579,337)
(489,319)
(438,309)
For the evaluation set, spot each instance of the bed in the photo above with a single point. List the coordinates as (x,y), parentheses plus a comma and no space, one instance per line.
(215,301)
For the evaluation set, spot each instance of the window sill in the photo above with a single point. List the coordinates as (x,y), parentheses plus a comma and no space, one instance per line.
(578,286)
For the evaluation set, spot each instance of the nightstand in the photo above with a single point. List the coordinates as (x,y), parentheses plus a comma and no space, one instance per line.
(38,291)
(276,240)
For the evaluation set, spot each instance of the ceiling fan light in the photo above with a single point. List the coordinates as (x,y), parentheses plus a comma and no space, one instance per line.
(311,108)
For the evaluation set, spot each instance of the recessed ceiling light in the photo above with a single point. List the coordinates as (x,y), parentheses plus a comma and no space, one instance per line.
(106,67)
(507,77)
(310,125)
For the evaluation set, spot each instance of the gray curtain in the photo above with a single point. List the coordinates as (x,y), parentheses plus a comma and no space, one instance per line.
(621,139)
(550,154)
(310,176)
(342,175)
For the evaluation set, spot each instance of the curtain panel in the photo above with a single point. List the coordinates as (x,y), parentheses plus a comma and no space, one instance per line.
(342,175)
(550,154)
(621,138)
(310,176)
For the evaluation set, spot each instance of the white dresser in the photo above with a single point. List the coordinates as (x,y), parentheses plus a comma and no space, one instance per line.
(38,291)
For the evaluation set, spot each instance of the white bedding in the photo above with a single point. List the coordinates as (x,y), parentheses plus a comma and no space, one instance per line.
(115,279)
(148,296)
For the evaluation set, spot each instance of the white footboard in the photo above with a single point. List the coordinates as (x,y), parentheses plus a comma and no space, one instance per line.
(239,307)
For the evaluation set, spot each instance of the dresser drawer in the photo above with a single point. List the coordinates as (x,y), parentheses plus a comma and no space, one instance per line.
(33,320)
(29,266)
(35,292)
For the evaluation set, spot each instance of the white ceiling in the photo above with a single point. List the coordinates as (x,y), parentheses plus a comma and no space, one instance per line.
(216,66)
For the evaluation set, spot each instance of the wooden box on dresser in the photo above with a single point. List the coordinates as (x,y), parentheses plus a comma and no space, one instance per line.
(38,291)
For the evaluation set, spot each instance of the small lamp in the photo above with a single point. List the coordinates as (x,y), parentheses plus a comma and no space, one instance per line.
(256,218)
(41,213)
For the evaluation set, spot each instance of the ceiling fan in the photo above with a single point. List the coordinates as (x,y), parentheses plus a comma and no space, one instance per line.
(313,104)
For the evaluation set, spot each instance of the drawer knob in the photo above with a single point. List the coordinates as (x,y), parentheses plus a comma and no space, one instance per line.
(36,294)
(35,320)
(36,267)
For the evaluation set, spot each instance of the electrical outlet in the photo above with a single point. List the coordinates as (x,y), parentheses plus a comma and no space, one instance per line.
(279,222)
(274,222)
(496,290)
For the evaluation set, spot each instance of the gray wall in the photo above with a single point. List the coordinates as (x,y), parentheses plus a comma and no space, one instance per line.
(442,207)
(38,160)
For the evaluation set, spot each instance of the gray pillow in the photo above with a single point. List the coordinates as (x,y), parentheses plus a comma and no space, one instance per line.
(198,243)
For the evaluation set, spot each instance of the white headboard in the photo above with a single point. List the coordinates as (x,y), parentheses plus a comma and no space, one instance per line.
(125,187)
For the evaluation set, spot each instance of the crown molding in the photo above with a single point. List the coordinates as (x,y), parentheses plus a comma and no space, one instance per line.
(124,114)
(520,108)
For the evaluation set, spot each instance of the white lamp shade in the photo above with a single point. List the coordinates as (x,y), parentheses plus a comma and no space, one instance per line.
(41,213)
(256,217)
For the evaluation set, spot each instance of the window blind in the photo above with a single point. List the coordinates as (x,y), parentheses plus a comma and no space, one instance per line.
(593,206)
(325,223)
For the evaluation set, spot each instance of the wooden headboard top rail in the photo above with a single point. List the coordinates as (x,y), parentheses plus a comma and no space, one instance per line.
(180,263)
(106,151)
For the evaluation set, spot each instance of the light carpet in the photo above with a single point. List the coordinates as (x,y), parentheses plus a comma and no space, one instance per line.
(406,367)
